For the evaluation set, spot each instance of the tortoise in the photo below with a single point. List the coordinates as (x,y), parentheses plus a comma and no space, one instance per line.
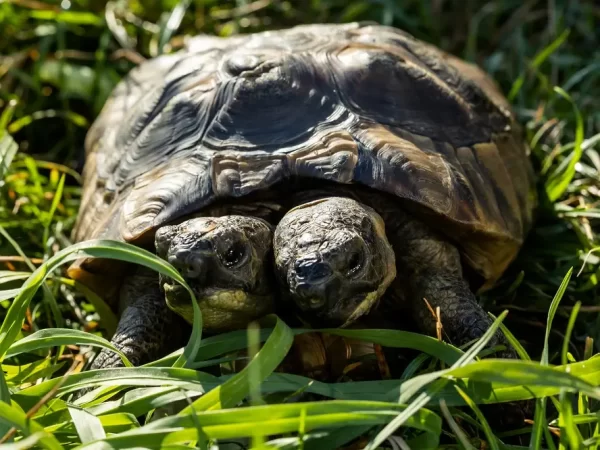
(366,163)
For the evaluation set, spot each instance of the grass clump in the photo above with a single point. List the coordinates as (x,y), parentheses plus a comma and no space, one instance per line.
(58,63)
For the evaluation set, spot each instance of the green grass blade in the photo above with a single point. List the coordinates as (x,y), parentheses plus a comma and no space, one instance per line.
(4,397)
(13,417)
(138,402)
(581,419)
(55,202)
(523,373)
(254,376)
(271,420)
(460,434)
(569,332)
(4,391)
(56,198)
(172,23)
(213,346)
(402,339)
(55,337)
(491,438)
(7,114)
(70,17)
(513,341)
(411,410)
(26,443)
(537,431)
(476,348)
(121,377)
(110,423)
(558,182)
(190,352)
(8,276)
(537,61)
(335,439)
(552,311)
(486,390)
(8,294)
(8,150)
(32,372)
(50,300)
(94,248)
(569,433)
(264,363)
(417,383)
(481,387)
(89,428)
(539,425)
(34,175)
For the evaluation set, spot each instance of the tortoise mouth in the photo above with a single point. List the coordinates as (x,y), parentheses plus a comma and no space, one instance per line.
(222,308)
(339,314)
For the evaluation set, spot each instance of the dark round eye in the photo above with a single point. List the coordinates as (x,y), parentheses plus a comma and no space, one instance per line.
(355,263)
(233,255)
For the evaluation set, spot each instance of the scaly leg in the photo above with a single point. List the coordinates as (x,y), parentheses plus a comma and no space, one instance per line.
(147,329)
(429,268)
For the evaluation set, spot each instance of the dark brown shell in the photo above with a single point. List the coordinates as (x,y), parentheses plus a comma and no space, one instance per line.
(353,103)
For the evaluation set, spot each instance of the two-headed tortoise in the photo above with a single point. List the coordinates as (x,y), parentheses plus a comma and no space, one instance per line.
(385,163)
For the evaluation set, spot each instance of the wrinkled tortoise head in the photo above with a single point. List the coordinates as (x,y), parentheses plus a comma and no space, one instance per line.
(225,260)
(334,259)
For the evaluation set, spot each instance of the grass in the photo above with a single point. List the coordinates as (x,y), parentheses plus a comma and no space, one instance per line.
(57,66)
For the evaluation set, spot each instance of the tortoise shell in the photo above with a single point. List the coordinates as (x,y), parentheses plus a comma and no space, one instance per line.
(354,103)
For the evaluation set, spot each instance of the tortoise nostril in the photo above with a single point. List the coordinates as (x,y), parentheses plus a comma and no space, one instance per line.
(195,268)
(189,265)
(312,269)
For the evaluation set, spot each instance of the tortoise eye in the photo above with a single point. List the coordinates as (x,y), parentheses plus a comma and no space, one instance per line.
(355,263)
(234,255)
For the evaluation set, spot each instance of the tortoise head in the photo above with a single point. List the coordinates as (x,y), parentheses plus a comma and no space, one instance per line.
(225,260)
(333,260)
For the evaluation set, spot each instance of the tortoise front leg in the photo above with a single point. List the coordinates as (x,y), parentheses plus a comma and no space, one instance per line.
(462,318)
(429,268)
(147,329)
